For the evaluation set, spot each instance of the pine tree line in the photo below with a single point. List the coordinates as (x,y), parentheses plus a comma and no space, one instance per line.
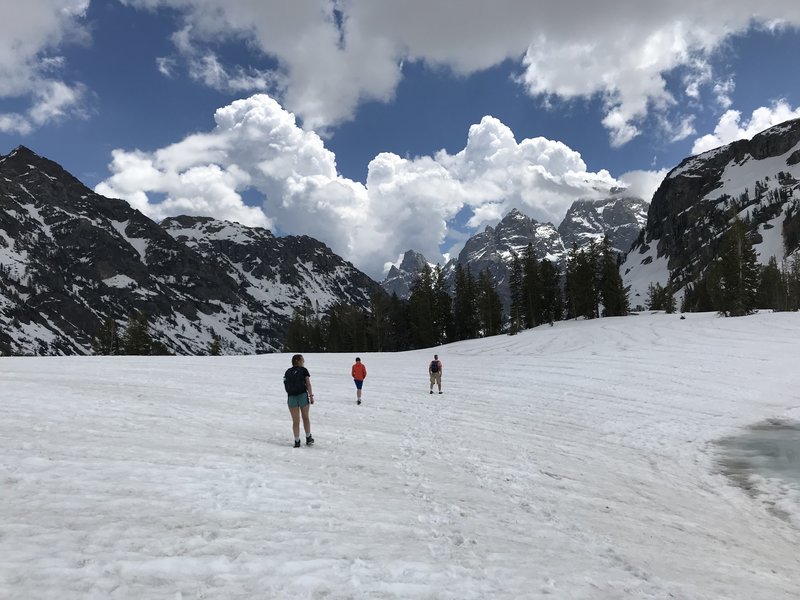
(594,287)
(134,341)
(434,315)
(735,284)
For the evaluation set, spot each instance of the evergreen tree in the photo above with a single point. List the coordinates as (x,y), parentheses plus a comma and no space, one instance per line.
(771,292)
(397,337)
(582,282)
(297,336)
(612,289)
(464,305)
(571,287)
(107,342)
(378,323)
(792,277)
(421,307)
(442,308)
(216,346)
(550,303)
(531,288)
(516,288)
(490,310)
(669,300)
(655,297)
(738,273)
(347,329)
(137,340)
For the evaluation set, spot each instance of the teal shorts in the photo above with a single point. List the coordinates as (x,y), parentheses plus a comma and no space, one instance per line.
(298,400)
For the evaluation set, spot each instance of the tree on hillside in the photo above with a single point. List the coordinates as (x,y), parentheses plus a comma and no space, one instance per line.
(137,341)
(738,273)
(442,308)
(465,317)
(215,349)
(582,282)
(611,287)
(490,310)
(107,342)
(772,291)
(550,305)
(421,307)
(517,291)
(531,288)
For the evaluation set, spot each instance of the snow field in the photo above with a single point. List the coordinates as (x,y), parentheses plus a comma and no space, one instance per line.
(575,461)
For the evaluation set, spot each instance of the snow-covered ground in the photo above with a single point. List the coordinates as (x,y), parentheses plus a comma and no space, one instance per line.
(572,462)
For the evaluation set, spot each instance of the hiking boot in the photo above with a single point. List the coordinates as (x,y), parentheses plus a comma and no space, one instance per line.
(309,440)
(441,392)
(431,391)
(358,401)
(297,443)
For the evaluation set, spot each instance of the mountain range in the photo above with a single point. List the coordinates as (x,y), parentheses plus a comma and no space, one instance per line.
(618,216)
(70,259)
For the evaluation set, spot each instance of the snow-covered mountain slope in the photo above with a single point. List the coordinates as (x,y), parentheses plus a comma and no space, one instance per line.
(573,461)
(621,218)
(70,258)
(279,274)
(755,180)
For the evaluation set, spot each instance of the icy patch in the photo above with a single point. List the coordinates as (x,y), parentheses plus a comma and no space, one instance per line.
(765,462)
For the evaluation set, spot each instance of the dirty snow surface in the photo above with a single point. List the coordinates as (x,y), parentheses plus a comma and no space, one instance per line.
(576,461)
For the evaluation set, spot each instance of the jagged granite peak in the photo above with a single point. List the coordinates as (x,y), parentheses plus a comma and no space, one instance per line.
(495,247)
(70,258)
(756,180)
(400,278)
(620,217)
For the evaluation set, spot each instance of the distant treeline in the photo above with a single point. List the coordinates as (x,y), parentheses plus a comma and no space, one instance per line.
(434,314)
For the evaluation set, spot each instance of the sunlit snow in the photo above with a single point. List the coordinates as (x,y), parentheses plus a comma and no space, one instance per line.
(575,462)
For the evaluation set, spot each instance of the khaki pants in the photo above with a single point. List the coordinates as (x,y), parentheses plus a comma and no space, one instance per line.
(436,378)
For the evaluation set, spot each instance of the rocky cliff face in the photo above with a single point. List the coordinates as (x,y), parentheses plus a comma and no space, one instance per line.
(70,258)
(399,279)
(621,218)
(754,180)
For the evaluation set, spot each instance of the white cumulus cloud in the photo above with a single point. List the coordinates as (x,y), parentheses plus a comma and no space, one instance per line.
(732,127)
(30,32)
(405,203)
(333,55)
(643,183)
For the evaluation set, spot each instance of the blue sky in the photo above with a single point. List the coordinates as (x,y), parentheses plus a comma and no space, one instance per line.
(381,126)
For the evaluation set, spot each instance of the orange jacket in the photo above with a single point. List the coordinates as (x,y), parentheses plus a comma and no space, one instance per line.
(359,371)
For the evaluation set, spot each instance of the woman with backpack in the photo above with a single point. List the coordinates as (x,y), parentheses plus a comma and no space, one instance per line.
(297,382)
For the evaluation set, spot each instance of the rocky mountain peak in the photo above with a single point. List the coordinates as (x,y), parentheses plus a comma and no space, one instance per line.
(399,278)
(620,217)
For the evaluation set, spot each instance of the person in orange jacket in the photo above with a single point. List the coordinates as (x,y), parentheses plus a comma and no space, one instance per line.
(359,373)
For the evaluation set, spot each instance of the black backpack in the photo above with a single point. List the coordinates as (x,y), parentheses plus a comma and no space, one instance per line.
(434,366)
(294,381)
